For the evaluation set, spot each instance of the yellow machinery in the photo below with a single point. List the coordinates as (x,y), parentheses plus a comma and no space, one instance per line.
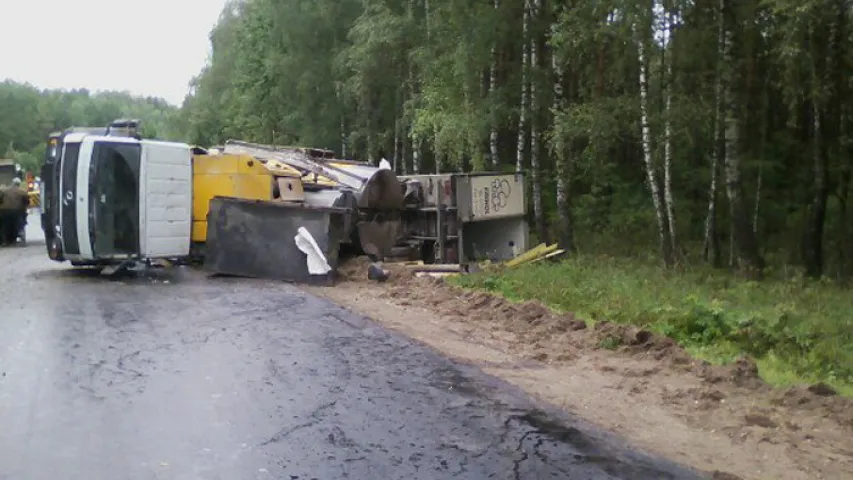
(238,176)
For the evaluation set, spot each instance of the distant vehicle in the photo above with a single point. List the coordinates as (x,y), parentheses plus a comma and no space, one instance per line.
(8,171)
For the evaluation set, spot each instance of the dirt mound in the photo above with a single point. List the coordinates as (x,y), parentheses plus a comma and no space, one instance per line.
(743,373)
(819,399)
(354,269)
(639,341)
(539,332)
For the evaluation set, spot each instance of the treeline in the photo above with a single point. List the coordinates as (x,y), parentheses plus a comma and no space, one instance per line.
(28,114)
(717,130)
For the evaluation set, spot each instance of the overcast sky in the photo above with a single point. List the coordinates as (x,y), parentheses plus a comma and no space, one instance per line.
(152,47)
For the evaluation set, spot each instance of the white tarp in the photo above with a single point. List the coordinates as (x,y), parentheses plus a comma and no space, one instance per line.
(317,263)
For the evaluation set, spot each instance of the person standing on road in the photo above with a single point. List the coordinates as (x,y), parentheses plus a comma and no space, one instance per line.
(13,212)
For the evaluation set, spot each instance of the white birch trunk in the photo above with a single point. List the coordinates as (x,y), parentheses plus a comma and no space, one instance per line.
(710,251)
(343,132)
(396,161)
(404,154)
(745,244)
(535,167)
(413,85)
(416,154)
(493,78)
(647,145)
(343,136)
(563,163)
(731,158)
(667,156)
(522,117)
(426,18)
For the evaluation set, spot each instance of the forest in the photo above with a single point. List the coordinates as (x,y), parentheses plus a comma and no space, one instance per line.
(709,130)
(693,157)
(28,114)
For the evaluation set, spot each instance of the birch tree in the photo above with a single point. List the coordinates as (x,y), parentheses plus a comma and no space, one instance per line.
(535,15)
(745,245)
(493,81)
(641,33)
(525,88)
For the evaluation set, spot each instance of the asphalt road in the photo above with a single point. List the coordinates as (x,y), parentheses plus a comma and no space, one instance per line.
(173,375)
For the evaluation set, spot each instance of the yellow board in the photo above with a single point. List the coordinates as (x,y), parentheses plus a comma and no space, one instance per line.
(239,176)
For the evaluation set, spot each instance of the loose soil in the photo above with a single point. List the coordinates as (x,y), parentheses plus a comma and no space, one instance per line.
(646,388)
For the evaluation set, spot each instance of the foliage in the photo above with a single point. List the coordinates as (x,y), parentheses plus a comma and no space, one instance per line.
(28,115)
(792,325)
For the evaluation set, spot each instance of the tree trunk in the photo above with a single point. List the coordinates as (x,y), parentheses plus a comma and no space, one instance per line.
(522,115)
(404,153)
(816,216)
(370,147)
(813,239)
(426,18)
(343,132)
(416,154)
(535,166)
(565,233)
(396,162)
(413,86)
(757,209)
(748,258)
(667,138)
(343,136)
(651,178)
(837,76)
(493,79)
(762,152)
(844,235)
(711,249)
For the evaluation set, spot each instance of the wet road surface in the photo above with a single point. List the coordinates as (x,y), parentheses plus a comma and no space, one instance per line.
(173,375)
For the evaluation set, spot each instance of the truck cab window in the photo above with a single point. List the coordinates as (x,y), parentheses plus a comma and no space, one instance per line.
(114,198)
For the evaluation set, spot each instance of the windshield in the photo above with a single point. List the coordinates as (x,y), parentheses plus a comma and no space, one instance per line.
(114,198)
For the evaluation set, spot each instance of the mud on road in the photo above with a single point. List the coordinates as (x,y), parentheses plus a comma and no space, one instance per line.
(716,419)
(175,375)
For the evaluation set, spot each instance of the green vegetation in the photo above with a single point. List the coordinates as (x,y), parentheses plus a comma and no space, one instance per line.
(799,330)
(28,115)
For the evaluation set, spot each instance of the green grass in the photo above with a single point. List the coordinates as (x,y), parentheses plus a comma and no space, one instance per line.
(798,331)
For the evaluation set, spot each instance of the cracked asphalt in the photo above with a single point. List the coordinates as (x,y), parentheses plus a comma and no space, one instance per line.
(174,375)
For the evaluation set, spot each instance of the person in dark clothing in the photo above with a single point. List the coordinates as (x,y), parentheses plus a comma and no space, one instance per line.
(13,210)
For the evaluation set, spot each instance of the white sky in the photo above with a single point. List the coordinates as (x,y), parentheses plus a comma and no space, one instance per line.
(152,47)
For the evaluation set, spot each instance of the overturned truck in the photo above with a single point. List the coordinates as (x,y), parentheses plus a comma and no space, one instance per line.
(113,199)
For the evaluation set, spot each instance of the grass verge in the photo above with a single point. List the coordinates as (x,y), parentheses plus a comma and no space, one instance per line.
(798,331)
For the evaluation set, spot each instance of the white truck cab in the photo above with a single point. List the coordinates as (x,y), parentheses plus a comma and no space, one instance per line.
(121,199)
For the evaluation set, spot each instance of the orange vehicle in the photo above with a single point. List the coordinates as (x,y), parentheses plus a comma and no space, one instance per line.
(33,190)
